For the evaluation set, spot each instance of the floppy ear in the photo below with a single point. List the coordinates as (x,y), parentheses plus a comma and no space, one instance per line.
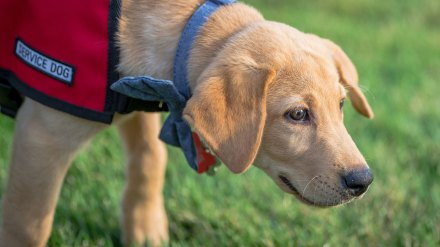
(228,110)
(349,78)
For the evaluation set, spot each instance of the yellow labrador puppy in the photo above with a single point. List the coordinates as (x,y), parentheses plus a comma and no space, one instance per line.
(264,93)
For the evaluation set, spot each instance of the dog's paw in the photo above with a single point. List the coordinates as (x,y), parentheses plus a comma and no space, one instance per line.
(156,229)
(146,226)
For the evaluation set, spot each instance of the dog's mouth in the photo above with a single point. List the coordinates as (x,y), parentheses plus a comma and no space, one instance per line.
(287,182)
(301,197)
(293,190)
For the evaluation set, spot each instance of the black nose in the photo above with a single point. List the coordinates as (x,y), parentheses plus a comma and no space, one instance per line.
(357,181)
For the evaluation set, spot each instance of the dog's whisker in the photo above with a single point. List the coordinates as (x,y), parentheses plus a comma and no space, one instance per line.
(314,196)
(305,188)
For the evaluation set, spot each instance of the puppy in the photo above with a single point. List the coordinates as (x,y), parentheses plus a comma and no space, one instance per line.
(263,93)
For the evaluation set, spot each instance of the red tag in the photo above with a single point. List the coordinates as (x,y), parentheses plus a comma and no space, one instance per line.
(204,159)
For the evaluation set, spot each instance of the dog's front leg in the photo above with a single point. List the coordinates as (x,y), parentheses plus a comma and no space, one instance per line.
(44,144)
(144,218)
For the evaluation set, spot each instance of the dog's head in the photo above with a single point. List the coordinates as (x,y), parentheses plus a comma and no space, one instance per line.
(273,97)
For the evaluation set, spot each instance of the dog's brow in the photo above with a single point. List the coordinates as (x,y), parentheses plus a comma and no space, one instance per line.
(297,98)
(293,100)
(310,99)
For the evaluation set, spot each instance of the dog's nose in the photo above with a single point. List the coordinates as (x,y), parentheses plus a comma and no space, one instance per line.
(357,181)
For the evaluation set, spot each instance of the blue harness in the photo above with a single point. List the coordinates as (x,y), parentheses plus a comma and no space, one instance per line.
(176,93)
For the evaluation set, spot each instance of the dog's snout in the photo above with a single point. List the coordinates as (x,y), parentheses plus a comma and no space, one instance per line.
(357,181)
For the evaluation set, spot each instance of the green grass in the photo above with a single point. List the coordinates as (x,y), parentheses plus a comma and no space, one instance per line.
(396,47)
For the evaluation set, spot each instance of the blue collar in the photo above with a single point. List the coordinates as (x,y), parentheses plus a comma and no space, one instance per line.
(175,130)
(188,37)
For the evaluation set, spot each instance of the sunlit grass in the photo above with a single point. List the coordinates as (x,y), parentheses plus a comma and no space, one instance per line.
(396,48)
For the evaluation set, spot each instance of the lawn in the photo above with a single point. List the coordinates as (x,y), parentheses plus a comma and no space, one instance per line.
(395,45)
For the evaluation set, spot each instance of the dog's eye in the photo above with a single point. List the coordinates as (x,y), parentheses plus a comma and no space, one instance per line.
(341,103)
(298,115)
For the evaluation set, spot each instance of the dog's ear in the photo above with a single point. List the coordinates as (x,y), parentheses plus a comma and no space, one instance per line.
(228,110)
(349,79)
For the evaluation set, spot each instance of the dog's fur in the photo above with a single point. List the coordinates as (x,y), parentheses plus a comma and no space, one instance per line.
(245,73)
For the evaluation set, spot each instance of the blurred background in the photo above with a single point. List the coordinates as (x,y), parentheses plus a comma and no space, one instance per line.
(395,45)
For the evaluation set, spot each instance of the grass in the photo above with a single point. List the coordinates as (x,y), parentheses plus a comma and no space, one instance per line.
(396,47)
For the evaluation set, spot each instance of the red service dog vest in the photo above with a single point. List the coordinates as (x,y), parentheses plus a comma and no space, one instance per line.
(62,54)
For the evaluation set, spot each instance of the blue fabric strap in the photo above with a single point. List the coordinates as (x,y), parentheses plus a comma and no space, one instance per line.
(189,34)
(175,130)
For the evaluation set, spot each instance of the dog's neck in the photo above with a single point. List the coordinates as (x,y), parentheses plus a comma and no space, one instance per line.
(150,31)
(207,45)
